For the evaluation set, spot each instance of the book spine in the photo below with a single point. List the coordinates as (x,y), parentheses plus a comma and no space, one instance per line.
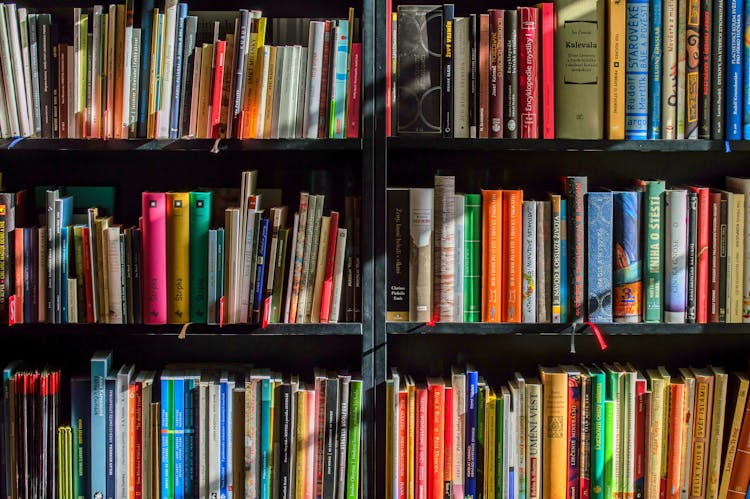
(627,291)
(179,70)
(154,258)
(556,257)
(534,449)
(261,271)
(461,70)
(573,421)
(675,245)
(448,82)
(653,255)
(496,74)
(216,93)
(530,279)
(733,435)
(337,122)
(178,257)
(706,58)
(111,403)
(397,308)
(575,188)
(510,78)
(543,261)
(600,216)
(420,263)
(734,62)
(713,464)
(484,70)
(692,253)
(7,225)
(445,247)
(655,71)
(473,258)
(701,435)
(675,423)
(598,389)
(147,8)
(718,69)
(616,68)
(353,107)
(692,58)
(448,446)
(512,247)
(713,280)
(436,432)
(470,485)
(547,69)
(528,72)
(636,74)
(166,456)
(47,75)
(669,71)
(555,410)
(473,70)
(682,93)
(723,252)
(459,258)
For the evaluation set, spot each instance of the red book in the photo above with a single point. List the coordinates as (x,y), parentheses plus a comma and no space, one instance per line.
(435,429)
(496,72)
(420,458)
(154,206)
(640,436)
(704,236)
(547,68)
(403,405)
(323,115)
(483,69)
(327,294)
(448,443)
(220,50)
(19,291)
(714,279)
(87,282)
(354,93)
(136,389)
(528,71)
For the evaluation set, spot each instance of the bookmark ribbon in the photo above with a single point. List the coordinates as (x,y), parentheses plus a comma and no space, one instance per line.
(598,334)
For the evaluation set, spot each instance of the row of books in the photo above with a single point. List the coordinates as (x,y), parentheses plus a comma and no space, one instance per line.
(647,254)
(572,432)
(177,74)
(189,431)
(174,268)
(575,69)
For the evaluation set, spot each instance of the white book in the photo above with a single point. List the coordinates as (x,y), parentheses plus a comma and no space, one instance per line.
(122,429)
(277,109)
(249,261)
(290,278)
(338,275)
(36,105)
(70,88)
(462,70)
(6,61)
(458,266)
(735,256)
(458,381)
(214,438)
(421,216)
(314,79)
(96,84)
(543,261)
(23,33)
(167,73)
(742,186)
(115,275)
(79,65)
(320,268)
(528,293)
(445,247)
(18,69)
(262,94)
(290,80)
(534,449)
(681,59)
(125,75)
(135,72)
(675,256)
(4,122)
(669,73)
(109,110)
(299,119)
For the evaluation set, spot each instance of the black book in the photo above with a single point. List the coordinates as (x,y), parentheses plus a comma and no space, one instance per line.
(448,69)
(397,299)
(510,107)
(242,35)
(706,55)
(692,256)
(718,70)
(188,66)
(111,415)
(394,72)
(357,259)
(286,433)
(473,76)
(135,239)
(723,235)
(331,438)
(575,193)
(419,69)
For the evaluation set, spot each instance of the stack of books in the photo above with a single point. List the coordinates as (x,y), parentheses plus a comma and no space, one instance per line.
(570,431)
(190,431)
(75,265)
(177,74)
(647,254)
(572,69)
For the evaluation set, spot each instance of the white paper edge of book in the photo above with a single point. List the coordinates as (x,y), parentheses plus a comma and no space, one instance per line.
(302,296)
(23,32)
(214,416)
(35,111)
(115,277)
(197,58)
(314,77)
(299,119)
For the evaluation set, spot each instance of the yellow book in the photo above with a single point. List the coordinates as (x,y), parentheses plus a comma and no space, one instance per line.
(301,456)
(268,114)
(120,64)
(736,250)
(616,69)
(665,420)
(255,49)
(410,436)
(704,387)
(156,31)
(656,436)
(555,475)
(742,382)
(204,91)
(490,444)
(178,257)
(102,261)
(390,403)
(717,432)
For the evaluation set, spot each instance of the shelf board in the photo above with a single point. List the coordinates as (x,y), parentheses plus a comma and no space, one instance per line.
(481,145)
(206,145)
(506,329)
(198,330)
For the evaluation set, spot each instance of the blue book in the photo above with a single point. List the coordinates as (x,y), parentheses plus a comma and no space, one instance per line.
(735,31)
(599,268)
(261,271)
(111,403)
(80,418)
(223,443)
(178,401)
(167,492)
(627,292)
(63,218)
(470,482)
(265,438)
(147,19)
(745,89)
(563,262)
(100,363)
(64,250)
(190,475)
(637,70)
(337,129)
(654,69)
(174,118)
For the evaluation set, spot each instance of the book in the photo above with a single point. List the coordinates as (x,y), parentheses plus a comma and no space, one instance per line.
(528,72)
(600,241)
(575,189)
(675,304)
(444,246)
(178,256)
(420,260)
(627,288)
(638,30)
(154,258)
(555,432)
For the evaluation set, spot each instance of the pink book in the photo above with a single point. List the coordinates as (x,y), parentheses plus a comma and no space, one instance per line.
(221,47)
(354,92)
(154,257)
(547,69)
(528,71)
(326,296)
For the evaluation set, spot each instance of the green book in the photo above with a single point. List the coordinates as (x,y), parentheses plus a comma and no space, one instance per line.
(499,445)
(613,436)
(473,258)
(598,393)
(278,276)
(352,461)
(653,254)
(200,218)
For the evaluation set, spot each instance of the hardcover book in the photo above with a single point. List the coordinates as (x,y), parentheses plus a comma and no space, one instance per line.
(600,215)
(627,290)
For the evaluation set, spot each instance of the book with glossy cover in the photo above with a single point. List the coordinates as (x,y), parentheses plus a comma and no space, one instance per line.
(512,248)
(675,262)
(473,258)
(669,71)
(154,257)
(734,63)
(638,31)
(528,72)
(510,75)
(627,295)
(420,251)
(200,218)
(178,257)
(600,234)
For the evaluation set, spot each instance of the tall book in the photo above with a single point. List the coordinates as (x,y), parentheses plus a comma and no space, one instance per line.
(461,77)
(154,213)
(510,75)
(741,186)
(473,258)
(100,365)
(637,30)
(528,72)
(704,73)
(491,73)
(529,252)
(669,71)
(512,248)
(734,63)
(653,254)
(200,218)
(445,247)
(704,392)
(547,68)
(692,62)
(448,66)
(675,250)
(178,256)
(627,293)
(421,250)
(555,432)
(740,385)
(398,256)
(492,237)
(718,69)
(575,191)
(616,49)
(599,268)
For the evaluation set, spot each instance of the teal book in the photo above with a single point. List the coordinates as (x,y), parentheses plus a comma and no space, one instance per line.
(265,438)
(598,394)
(337,128)
(100,363)
(610,468)
(200,219)
(167,438)
(653,254)
(355,423)
(473,258)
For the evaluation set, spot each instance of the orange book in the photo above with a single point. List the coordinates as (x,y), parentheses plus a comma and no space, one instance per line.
(512,269)
(435,430)
(676,428)
(741,470)
(704,389)
(492,239)
(421,446)
(131,440)
(555,431)
(403,405)
(119,65)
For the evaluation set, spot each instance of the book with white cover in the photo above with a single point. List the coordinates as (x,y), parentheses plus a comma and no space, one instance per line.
(96,82)
(6,63)
(529,291)
(135,72)
(262,93)
(23,33)
(299,119)
(36,105)
(458,266)
(14,40)
(314,79)
(283,58)
(338,275)
(675,260)
(167,74)
(125,75)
